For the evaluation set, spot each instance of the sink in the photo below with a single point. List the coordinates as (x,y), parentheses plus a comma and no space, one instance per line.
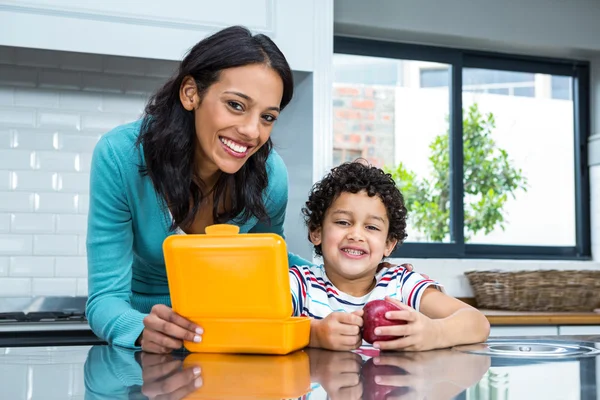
(531,349)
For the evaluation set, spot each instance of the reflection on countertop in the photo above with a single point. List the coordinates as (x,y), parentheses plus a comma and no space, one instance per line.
(106,372)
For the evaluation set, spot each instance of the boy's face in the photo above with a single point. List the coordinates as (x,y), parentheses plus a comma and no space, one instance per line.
(353,237)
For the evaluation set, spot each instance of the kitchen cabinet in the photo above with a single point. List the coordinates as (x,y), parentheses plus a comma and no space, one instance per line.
(164,29)
(523,330)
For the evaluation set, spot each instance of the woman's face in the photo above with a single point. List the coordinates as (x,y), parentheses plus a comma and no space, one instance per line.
(235,117)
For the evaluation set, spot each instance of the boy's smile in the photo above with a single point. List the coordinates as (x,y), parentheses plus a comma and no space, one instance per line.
(354,240)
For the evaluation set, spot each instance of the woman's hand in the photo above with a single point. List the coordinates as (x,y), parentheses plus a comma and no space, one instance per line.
(409,267)
(165,330)
(419,333)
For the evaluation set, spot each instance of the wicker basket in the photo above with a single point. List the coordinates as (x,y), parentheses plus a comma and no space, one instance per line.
(541,290)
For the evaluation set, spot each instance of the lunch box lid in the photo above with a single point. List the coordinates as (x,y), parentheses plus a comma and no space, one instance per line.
(227,274)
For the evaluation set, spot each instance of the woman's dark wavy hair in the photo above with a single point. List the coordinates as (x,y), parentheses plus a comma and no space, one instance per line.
(168,135)
(353,177)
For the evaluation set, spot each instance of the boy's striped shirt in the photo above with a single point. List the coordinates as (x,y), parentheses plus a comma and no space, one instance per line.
(313,295)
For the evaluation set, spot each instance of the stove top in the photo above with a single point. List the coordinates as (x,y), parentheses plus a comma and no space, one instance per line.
(42,309)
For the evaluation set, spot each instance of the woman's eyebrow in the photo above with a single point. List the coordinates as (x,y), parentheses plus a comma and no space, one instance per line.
(240,94)
(248,98)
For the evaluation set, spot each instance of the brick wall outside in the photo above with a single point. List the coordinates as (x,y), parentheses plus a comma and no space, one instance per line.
(363,123)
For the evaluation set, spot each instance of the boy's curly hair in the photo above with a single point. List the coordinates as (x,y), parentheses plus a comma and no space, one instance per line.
(353,177)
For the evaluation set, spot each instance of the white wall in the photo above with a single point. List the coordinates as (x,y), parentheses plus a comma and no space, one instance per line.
(535,27)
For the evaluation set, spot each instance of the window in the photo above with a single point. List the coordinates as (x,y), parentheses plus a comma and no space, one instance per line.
(488,149)
(562,87)
(484,81)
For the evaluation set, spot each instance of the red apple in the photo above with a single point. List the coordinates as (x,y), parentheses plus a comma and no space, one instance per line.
(374,316)
(372,390)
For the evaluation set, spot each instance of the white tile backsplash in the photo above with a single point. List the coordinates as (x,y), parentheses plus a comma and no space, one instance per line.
(71,223)
(6,139)
(32,223)
(55,245)
(54,107)
(140,85)
(83,203)
(123,103)
(32,139)
(34,97)
(102,123)
(56,161)
(74,182)
(58,203)
(58,119)
(11,244)
(29,266)
(6,179)
(15,159)
(84,162)
(15,117)
(29,181)
(14,201)
(80,101)
(71,267)
(4,263)
(54,287)
(82,248)
(103,83)
(76,143)
(82,287)
(15,287)
(4,223)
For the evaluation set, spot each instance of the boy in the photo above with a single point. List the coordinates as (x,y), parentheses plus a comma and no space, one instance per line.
(356,217)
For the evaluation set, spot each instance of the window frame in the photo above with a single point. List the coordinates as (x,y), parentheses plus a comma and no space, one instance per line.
(458,59)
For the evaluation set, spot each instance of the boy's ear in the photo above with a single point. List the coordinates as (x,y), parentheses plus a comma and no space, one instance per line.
(389,247)
(315,236)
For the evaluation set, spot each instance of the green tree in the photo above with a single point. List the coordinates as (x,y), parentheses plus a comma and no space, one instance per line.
(489,178)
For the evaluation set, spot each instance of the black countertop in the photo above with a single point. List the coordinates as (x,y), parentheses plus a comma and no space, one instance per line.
(105,372)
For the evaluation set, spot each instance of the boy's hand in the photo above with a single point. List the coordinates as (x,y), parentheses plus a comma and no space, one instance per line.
(338,331)
(419,333)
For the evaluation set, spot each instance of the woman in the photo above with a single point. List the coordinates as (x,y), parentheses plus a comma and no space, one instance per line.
(202,154)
